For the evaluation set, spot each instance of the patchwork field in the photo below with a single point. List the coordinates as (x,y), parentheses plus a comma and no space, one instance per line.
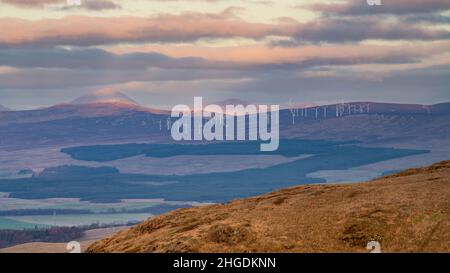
(8,223)
(19,214)
(118,184)
(8,203)
(76,220)
(11,162)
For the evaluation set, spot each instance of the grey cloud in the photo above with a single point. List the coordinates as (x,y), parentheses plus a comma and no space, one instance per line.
(78,30)
(94,5)
(90,58)
(31,3)
(99,5)
(67,78)
(359,29)
(428,18)
(415,86)
(360,7)
(87,58)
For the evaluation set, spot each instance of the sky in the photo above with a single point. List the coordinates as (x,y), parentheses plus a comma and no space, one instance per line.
(165,52)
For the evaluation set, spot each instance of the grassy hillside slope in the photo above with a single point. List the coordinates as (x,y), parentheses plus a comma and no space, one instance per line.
(406,212)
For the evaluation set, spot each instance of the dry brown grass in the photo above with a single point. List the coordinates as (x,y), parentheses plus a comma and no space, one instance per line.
(406,212)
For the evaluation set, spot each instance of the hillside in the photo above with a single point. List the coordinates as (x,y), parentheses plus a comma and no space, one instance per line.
(3,108)
(105,97)
(406,212)
(118,120)
(372,128)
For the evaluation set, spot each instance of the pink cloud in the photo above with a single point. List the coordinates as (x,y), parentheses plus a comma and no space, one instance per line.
(84,31)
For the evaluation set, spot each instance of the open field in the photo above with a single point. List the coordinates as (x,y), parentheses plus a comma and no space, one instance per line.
(8,203)
(99,212)
(108,184)
(8,223)
(11,162)
(81,220)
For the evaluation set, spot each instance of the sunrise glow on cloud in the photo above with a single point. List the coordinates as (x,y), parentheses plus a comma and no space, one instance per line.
(165,52)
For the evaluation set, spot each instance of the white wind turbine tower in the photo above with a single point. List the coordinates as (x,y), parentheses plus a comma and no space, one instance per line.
(160,125)
(361,110)
(426,108)
(292,110)
(342,108)
(169,123)
(350,108)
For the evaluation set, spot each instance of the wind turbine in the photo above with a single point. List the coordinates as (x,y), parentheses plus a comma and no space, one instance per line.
(169,123)
(292,110)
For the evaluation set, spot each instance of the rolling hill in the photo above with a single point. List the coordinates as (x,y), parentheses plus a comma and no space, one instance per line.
(118,120)
(3,108)
(105,97)
(84,107)
(406,212)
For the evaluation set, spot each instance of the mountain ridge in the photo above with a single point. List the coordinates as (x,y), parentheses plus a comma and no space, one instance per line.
(3,108)
(104,97)
(71,124)
(70,110)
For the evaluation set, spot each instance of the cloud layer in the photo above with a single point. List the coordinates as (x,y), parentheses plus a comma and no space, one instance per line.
(255,50)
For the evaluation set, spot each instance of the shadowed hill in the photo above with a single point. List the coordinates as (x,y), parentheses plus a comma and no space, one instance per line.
(406,212)
(3,108)
(116,121)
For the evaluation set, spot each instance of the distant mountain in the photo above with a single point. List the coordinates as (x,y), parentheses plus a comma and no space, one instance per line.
(94,105)
(441,108)
(64,111)
(224,103)
(352,108)
(312,218)
(113,121)
(105,97)
(3,108)
(368,122)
